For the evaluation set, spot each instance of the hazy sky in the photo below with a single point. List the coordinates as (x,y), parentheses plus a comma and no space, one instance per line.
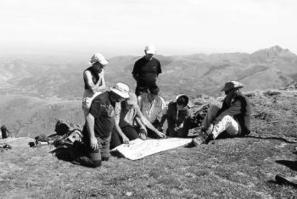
(120,27)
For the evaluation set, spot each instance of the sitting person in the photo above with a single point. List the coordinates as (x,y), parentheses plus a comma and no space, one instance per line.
(153,107)
(99,125)
(233,118)
(178,117)
(125,129)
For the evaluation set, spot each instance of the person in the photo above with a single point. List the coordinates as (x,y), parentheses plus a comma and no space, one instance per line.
(130,123)
(152,107)
(99,125)
(233,118)
(146,71)
(178,117)
(5,132)
(94,82)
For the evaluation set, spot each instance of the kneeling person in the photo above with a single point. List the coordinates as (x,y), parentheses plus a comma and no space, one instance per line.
(178,117)
(99,125)
(130,123)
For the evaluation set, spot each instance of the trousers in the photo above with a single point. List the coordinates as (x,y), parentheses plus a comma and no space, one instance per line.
(226,124)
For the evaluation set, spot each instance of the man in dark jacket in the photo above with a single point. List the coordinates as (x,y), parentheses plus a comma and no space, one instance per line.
(233,117)
(146,71)
(178,117)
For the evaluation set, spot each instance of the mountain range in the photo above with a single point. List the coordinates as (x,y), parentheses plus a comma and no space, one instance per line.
(35,92)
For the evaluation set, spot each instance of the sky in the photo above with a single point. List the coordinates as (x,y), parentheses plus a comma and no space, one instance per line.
(124,27)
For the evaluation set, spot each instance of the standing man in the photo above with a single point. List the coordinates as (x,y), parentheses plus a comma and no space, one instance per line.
(233,118)
(146,71)
(99,125)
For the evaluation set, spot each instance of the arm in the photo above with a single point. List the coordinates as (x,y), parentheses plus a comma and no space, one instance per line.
(162,111)
(159,68)
(234,109)
(147,123)
(135,71)
(117,125)
(94,87)
(101,81)
(89,81)
(90,120)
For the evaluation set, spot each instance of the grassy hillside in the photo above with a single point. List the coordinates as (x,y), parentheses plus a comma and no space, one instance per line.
(228,168)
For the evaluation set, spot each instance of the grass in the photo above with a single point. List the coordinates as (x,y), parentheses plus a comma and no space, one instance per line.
(229,168)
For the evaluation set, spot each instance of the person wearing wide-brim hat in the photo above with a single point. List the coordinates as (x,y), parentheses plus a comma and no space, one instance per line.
(130,123)
(233,117)
(94,82)
(99,125)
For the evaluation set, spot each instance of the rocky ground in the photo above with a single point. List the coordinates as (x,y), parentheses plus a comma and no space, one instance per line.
(227,168)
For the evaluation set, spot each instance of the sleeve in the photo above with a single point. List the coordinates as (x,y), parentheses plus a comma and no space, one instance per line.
(159,67)
(96,108)
(163,109)
(234,109)
(118,109)
(135,70)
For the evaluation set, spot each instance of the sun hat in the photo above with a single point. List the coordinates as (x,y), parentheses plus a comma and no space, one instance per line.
(132,100)
(121,89)
(98,57)
(232,85)
(150,49)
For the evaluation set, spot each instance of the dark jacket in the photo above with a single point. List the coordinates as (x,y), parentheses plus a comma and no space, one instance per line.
(239,108)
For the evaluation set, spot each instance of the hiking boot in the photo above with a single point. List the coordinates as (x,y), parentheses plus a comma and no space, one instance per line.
(208,139)
(203,138)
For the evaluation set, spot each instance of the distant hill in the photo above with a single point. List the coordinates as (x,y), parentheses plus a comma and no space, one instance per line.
(36,93)
(193,74)
(32,116)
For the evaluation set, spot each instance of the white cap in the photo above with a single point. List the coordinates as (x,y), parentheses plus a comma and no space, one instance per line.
(121,89)
(150,49)
(98,57)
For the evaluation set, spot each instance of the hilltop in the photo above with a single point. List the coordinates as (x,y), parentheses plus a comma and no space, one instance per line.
(229,168)
(35,93)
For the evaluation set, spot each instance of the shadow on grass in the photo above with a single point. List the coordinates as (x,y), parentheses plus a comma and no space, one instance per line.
(64,153)
(280,180)
(116,154)
(291,164)
(271,138)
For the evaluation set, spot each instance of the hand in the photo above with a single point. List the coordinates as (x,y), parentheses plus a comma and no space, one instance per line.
(143,129)
(125,139)
(94,143)
(160,134)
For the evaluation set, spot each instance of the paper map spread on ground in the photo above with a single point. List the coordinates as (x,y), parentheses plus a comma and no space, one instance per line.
(138,148)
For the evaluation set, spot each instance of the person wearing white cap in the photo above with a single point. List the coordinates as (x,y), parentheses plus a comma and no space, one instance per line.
(99,125)
(94,82)
(146,71)
(233,117)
